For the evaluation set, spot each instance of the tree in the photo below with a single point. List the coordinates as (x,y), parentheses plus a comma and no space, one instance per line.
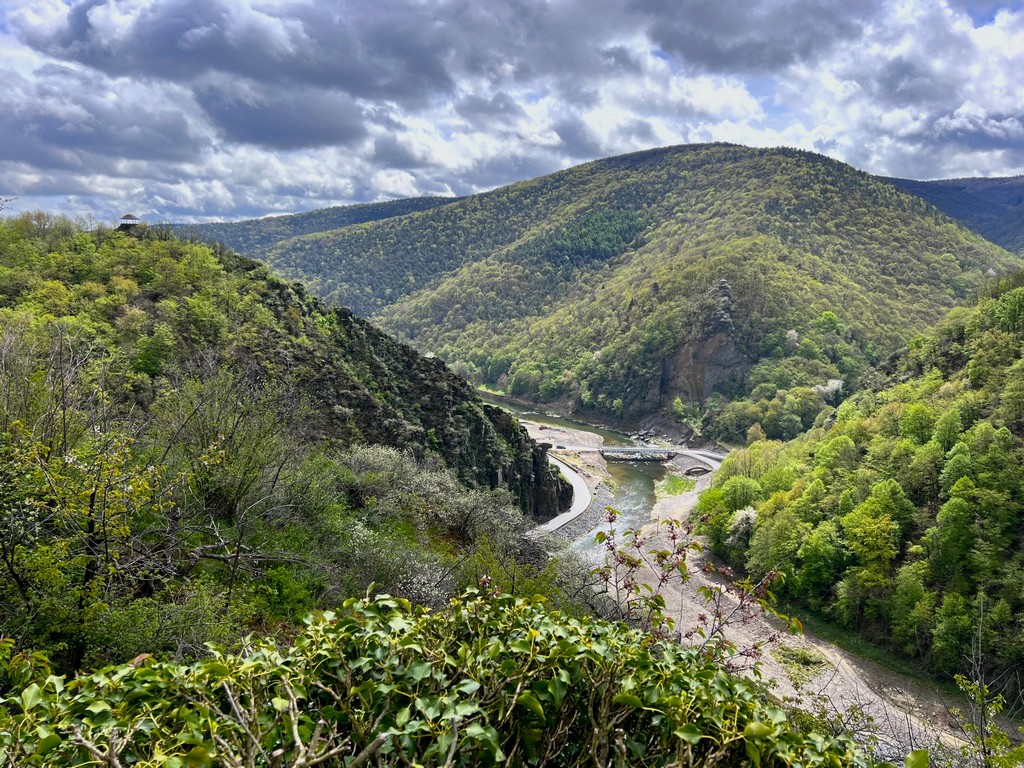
(739,492)
(917,422)
(914,608)
(950,542)
(775,543)
(948,427)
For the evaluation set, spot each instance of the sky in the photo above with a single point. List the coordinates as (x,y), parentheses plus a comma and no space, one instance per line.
(196,110)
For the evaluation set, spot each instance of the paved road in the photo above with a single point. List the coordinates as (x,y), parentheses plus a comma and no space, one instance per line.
(581,498)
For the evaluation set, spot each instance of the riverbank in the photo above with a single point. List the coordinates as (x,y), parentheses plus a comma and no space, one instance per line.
(588,466)
(804,670)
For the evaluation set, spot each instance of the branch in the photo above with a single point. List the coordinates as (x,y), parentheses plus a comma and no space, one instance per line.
(107,758)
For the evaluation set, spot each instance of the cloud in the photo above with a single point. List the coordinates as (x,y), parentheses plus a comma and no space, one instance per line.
(499,107)
(279,117)
(62,118)
(753,35)
(928,95)
(385,51)
(206,108)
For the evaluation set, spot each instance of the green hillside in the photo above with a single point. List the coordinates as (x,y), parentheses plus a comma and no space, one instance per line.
(618,286)
(254,236)
(992,207)
(902,516)
(194,449)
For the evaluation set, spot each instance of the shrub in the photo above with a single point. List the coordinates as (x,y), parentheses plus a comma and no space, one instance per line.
(492,679)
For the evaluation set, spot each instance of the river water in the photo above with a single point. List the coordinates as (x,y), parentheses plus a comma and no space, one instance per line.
(633,491)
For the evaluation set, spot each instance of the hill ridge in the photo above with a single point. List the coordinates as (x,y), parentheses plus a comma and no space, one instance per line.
(598,286)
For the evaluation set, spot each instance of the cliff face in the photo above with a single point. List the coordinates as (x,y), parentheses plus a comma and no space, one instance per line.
(366,386)
(540,487)
(699,367)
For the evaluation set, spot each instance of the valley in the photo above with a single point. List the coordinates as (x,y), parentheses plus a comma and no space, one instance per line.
(196,450)
(899,710)
(691,274)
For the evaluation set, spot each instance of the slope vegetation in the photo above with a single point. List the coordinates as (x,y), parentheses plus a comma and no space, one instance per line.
(191,448)
(620,285)
(901,517)
(994,208)
(254,236)
(492,680)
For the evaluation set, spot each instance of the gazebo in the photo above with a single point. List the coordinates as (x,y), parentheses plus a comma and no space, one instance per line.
(128,221)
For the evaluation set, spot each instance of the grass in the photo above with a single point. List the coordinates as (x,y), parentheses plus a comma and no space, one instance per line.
(673,485)
(801,664)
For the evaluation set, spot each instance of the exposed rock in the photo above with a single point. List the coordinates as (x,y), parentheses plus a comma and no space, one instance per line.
(366,386)
(695,370)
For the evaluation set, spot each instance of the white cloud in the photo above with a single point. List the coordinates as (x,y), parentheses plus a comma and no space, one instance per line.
(206,108)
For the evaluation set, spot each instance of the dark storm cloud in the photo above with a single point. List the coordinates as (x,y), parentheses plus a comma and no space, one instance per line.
(902,82)
(500,107)
(638,130)
(390,51)
(406,51)
(388,152)
(577,139)
(753,35)
(621,59)
(281,117)
(66,119)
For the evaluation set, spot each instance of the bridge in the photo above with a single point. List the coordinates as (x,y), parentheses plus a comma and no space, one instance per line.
(644,453)
(623,453)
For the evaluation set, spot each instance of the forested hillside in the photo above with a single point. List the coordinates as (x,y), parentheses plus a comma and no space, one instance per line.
(901,516)
(994,208)
(618,286)
(254,237)
(193,449)
(185,478)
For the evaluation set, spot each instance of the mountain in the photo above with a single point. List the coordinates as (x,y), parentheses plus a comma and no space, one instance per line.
(992,207)
(193,449)
(684,276)
(902,516)
(254,236)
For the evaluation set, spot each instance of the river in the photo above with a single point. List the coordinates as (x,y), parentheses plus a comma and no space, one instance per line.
(633,481)
(906,711)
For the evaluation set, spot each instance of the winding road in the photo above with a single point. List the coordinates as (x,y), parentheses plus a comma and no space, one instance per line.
(581,498)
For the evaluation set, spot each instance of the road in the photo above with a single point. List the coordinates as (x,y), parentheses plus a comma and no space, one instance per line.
(581,499)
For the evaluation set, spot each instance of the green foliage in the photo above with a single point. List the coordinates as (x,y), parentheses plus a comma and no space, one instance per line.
(183,451)
(989,745)
(489,680)
(674,485)
(739,492)
(897,516)
(801,664)
(589,285)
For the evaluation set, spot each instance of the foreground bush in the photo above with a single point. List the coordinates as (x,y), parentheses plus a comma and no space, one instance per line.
(381,682)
